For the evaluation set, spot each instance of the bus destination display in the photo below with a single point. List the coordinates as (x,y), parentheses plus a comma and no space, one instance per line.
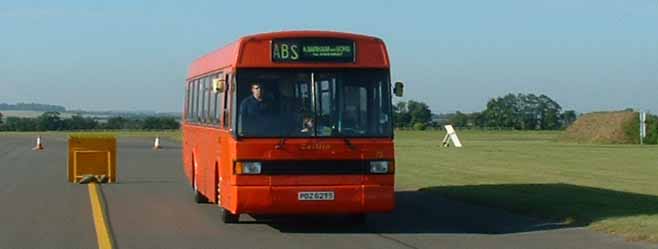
(313,50)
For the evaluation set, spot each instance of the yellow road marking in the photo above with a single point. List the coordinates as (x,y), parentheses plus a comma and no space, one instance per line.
(100,219)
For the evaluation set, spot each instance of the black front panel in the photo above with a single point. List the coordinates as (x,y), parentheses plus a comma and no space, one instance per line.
(334,167)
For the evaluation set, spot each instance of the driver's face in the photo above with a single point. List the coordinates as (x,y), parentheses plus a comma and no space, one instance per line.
(256,91)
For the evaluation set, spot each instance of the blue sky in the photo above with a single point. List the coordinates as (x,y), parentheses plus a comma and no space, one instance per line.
(588,55)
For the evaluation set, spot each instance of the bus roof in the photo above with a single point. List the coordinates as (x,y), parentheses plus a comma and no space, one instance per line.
(254,51)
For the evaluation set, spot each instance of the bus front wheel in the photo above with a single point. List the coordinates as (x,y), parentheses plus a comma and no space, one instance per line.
(228,217)
(199,197)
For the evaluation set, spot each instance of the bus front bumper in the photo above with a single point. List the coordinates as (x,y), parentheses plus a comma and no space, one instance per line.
(350,199)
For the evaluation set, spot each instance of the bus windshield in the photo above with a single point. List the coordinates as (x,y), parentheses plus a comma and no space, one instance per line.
(313,103)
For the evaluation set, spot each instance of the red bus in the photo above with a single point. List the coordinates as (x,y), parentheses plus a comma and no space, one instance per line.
(295,122)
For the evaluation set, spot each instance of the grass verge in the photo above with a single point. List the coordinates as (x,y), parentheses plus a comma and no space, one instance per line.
(611,188)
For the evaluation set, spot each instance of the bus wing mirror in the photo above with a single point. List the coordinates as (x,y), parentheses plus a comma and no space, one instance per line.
(398,89)
(218,85)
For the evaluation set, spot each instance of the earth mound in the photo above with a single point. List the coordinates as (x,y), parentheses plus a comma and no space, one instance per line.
(603,127)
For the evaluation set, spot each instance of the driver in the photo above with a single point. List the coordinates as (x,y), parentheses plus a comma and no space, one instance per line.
(255,110)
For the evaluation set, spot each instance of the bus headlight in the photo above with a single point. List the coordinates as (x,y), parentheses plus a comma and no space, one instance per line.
(247,168)
(379,167)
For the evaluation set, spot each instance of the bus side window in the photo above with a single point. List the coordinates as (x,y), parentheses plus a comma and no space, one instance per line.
(211,100)
(193,101)
(204,100)
(209,95)
(197,95)
(216,102)
(225,106)
(186,108)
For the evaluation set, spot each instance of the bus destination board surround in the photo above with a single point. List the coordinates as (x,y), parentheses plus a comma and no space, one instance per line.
(313,50)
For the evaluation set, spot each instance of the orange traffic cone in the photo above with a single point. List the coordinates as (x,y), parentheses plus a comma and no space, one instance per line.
(156,144)
(39,145)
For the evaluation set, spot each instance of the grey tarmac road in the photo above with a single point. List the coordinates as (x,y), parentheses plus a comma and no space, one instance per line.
(152,207)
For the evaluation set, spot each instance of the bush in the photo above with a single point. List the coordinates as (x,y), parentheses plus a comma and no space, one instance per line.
(420,126)
(632,129)
(652,130)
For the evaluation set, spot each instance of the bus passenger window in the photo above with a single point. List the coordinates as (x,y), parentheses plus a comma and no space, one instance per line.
(194,100)
(187,101)
(225,105)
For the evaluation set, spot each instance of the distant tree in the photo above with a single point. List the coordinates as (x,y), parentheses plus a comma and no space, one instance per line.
(408,114)
(160,123)
(1,118)
(502,112)
(528,106)
(401,116)
(522,112)
(20,124)
(476,119)
(115,123)
(459,119)
(32,107)
(419,126)
(549,112)
(169,123)
(49,121)
(78,122)
(567,118)
(420,112)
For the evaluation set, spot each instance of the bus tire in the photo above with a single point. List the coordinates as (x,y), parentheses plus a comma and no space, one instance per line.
(228,217)
(199,197)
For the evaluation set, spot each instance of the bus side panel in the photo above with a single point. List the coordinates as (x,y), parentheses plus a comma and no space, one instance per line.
(220,162)
(211,142)
(228,190)
(188,146)
(201,144)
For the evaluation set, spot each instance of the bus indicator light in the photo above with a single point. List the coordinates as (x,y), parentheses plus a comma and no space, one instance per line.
(247,168)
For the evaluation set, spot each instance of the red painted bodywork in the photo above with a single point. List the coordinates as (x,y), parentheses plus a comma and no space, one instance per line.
(215,150)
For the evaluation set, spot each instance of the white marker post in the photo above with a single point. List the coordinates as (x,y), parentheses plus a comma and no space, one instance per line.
(643,126)
(156,144)
(451,135)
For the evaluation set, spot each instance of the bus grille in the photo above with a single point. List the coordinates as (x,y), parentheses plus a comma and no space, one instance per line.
(333,167)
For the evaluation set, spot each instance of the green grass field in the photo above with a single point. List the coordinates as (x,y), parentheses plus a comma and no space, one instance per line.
(611,188)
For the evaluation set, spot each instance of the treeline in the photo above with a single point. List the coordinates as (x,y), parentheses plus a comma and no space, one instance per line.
(32,107)
(51,121)
(512,111)
(412,114)
(127,114)
(519,112)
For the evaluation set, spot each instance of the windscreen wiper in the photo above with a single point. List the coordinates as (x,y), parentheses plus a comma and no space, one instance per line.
(282,141)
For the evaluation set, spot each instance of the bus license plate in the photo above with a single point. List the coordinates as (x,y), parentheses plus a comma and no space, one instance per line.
(315,196)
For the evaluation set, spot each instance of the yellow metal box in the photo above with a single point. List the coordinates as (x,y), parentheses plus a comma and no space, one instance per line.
(92,155)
